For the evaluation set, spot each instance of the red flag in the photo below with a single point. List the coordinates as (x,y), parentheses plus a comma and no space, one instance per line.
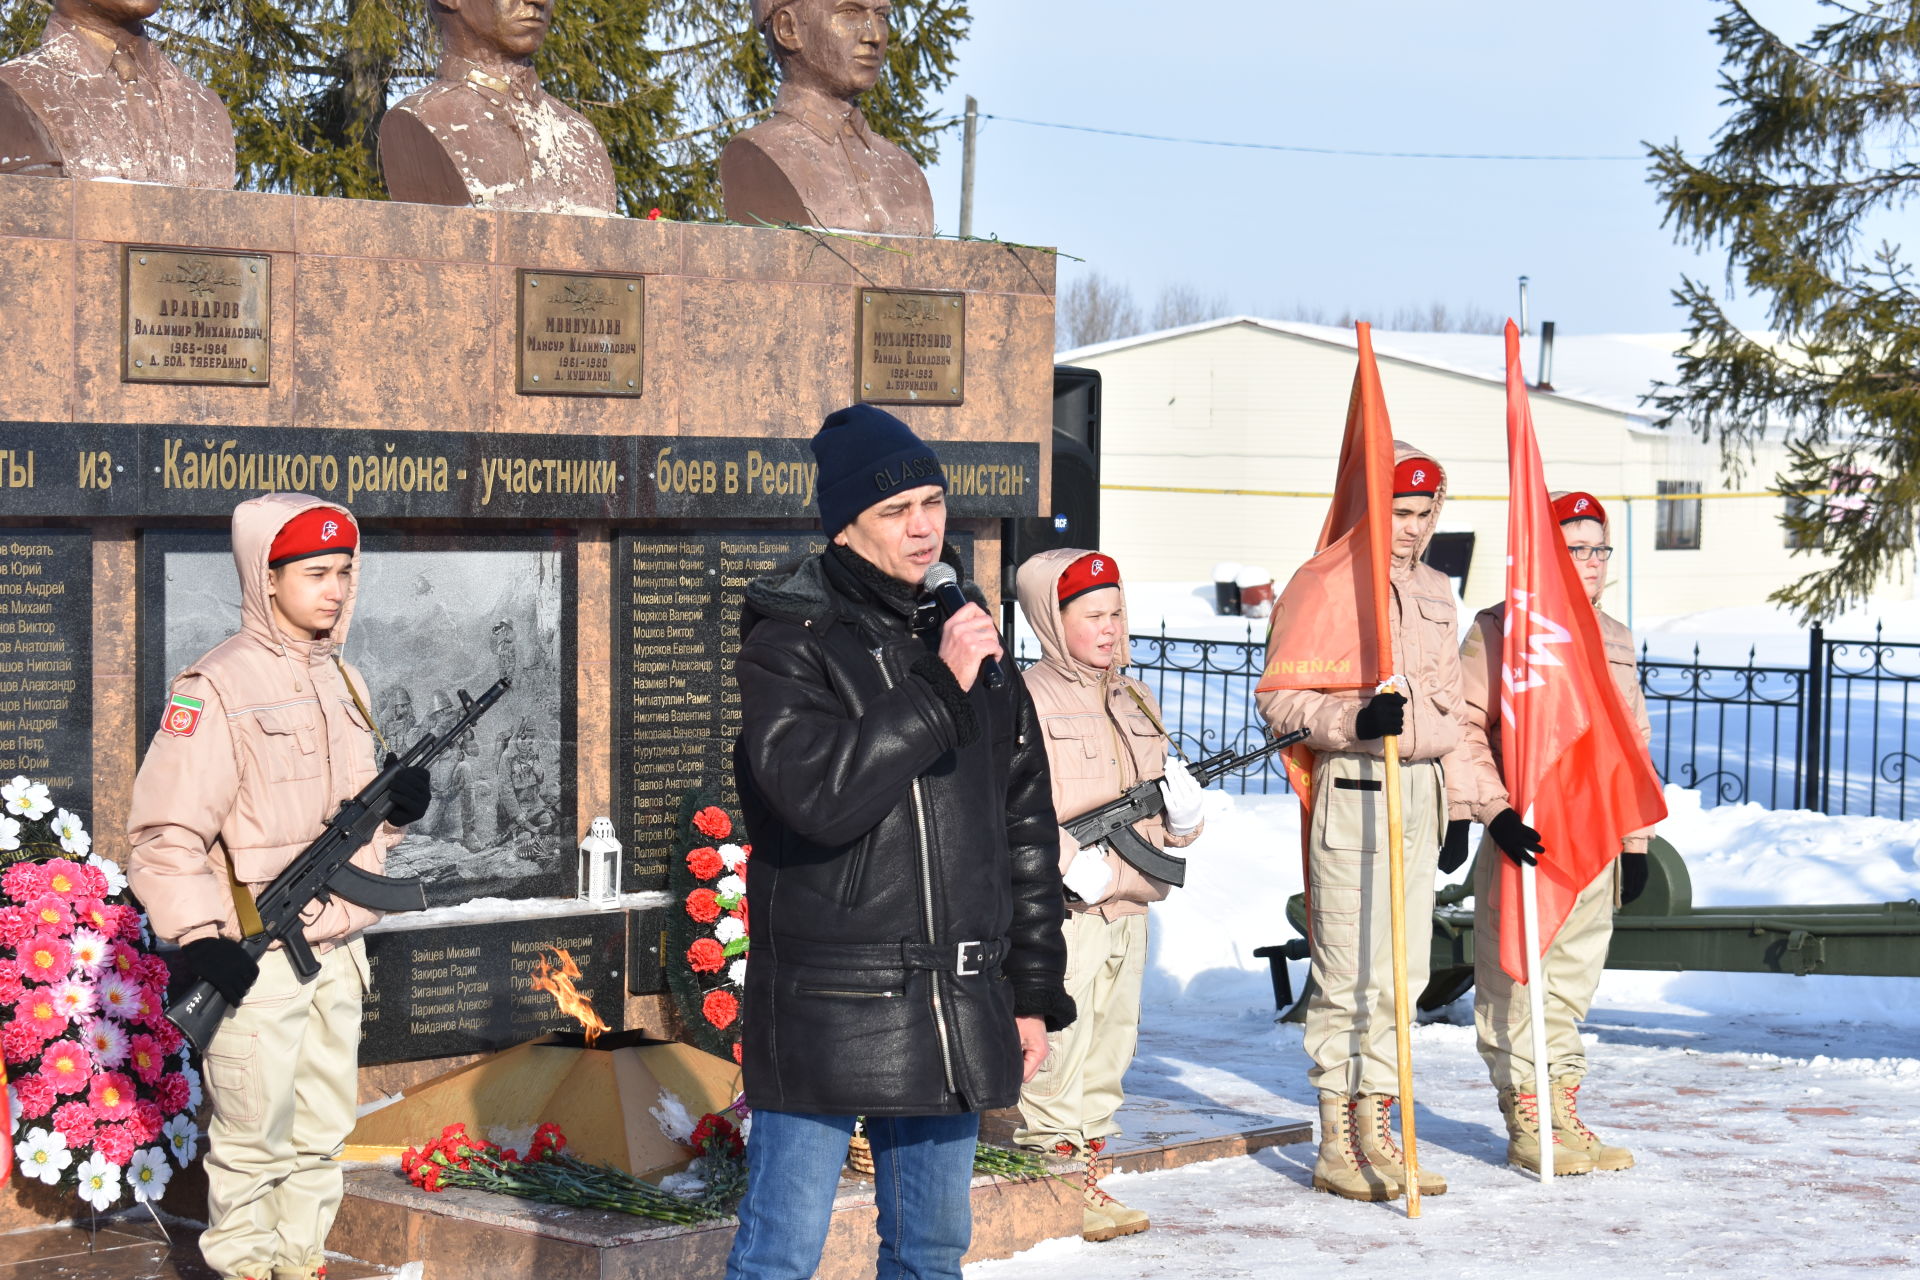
(1571,756)
(1330,626)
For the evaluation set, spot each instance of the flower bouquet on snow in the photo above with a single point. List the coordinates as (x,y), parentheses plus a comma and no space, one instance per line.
(706,958)
(101,1089)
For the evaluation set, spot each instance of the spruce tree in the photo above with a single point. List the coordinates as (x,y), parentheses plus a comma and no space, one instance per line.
(1816,152)
(666,82)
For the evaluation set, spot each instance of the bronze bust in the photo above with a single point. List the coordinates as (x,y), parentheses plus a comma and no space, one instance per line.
(97,99)
(484,132)
(815,161)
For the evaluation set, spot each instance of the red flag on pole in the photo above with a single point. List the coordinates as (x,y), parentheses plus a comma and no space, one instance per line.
(1330,626)
(1569,750)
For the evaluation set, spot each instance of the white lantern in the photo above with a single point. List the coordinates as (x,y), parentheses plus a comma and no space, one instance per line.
(600,865)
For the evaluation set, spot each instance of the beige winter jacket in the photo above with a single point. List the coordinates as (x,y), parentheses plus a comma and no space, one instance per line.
(277,746)
(1480,659)
(1100,741)
(1426,656)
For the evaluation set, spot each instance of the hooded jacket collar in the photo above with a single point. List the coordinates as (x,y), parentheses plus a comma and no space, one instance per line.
(1038,587)
(256,523)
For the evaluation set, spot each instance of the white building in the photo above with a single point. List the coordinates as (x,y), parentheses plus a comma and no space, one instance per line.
(1219,443)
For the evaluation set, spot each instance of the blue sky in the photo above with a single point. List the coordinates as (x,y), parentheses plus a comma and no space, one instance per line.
(1267,229)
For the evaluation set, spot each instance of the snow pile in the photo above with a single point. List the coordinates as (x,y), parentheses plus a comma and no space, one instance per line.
(1247,863)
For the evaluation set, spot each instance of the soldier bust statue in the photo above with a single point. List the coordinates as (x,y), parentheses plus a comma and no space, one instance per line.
(98,99)
(484,132)
(815,161)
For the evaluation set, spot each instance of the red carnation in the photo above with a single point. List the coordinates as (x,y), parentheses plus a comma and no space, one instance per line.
(705,862)
(713,823)
(25,880)
(34,1097)
(547,1141)
(147,1121)
(703,905)
(720,1008)
(16,925)
(74,1121)
(21,1043)
(115,1142)
(736,1051)
(706,955)
(653,215)
(174,1093)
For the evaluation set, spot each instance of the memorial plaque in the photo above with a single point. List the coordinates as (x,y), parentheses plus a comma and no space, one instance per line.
(913,347)
(676,633)
(197,315)
(46,662)
(434,615)
(580,335)
(468,988)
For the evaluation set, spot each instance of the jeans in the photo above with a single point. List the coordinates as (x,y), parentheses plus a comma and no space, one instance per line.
(923,1167)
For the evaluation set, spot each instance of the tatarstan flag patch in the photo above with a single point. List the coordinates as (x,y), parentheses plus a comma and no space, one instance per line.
(183,716)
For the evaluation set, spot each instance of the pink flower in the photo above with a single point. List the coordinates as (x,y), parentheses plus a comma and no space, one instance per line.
(66,1067)
(11,983)
(67,879)
(151,972)
(147,1121)
(106,1043)
(112,1095)
(45,958)
(25,881)
(119,997)
(51,913)
(94,881)
(21,1044)
(75,1121)
(145,1058)
(93,913)
(16,925)
(73,997)
(41,1013)
(167,1034)
(121,957)
(173,1093)
(116,1142)
(35,1098)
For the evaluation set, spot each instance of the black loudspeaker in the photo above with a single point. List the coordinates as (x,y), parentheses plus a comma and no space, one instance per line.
(1452,554)
(1073,509)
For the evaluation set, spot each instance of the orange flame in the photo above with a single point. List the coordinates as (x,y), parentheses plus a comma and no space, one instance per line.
(558,983)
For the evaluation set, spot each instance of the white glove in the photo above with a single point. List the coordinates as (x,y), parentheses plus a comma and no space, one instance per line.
(1089,876)
(1186,801)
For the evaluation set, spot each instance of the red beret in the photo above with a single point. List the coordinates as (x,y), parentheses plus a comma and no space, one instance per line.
(317,531)
(1090,572)
(1416,478)
(1578,506)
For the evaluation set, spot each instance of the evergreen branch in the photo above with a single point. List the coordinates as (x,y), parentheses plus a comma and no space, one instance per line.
(1813,64)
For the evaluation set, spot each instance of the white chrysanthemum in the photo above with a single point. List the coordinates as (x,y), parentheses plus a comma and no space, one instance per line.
(737,972)
(116,878)
(9,834)
(194,1095)
(119,996)
(729,930)
(90,951)
(72,832)
(730,886)
(149,1173)
(100,1183)
(74,999)
(28,799)
(107,1043)
(181,1138)
(43,1154)
(732,855)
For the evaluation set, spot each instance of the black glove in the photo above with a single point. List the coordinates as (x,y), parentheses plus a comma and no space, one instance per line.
(1634,869)
(1453,849)
(1385,714)
(224,963)
(1516,839)
(412,792)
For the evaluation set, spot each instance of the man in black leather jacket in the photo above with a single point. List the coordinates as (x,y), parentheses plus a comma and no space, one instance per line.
(905,898)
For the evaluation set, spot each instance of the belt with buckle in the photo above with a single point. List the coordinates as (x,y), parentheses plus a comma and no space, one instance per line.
(962,959)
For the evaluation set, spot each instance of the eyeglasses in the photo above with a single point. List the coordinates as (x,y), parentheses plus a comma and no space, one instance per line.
(1591,553)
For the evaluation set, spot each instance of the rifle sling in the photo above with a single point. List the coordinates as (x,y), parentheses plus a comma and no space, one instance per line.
(244,909)
(361,704)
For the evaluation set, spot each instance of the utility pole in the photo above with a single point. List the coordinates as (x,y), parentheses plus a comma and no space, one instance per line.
(966,166)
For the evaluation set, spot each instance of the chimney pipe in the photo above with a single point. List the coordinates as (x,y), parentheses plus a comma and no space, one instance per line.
(1525,328)
(1544,376)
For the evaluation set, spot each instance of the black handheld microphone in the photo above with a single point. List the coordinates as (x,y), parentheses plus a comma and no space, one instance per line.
(945,585)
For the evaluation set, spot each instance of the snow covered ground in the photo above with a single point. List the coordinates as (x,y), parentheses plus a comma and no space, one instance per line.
(1776,1119)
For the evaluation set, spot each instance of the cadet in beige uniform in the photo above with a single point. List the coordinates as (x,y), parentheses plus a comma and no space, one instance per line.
(262,739)
(1578,953)
(1350,1019)
(1104,737)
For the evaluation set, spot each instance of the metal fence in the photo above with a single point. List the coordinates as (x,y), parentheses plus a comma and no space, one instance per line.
(1839,735)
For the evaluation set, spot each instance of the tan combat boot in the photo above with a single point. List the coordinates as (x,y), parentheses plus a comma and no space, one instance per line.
(1522,1113)
(1341,1168)
(1573,1133)
(1129,1221)
(1096,1224)
(1373,1130)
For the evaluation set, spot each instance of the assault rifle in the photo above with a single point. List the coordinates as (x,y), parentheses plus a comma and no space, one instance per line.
(324,869)
(1113,821)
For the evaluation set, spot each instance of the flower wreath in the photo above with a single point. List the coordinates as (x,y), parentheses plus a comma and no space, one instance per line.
(100,1101)
(707,948)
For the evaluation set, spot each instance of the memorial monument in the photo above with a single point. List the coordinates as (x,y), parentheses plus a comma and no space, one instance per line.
(97,99)
(816,162)
(485,133)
